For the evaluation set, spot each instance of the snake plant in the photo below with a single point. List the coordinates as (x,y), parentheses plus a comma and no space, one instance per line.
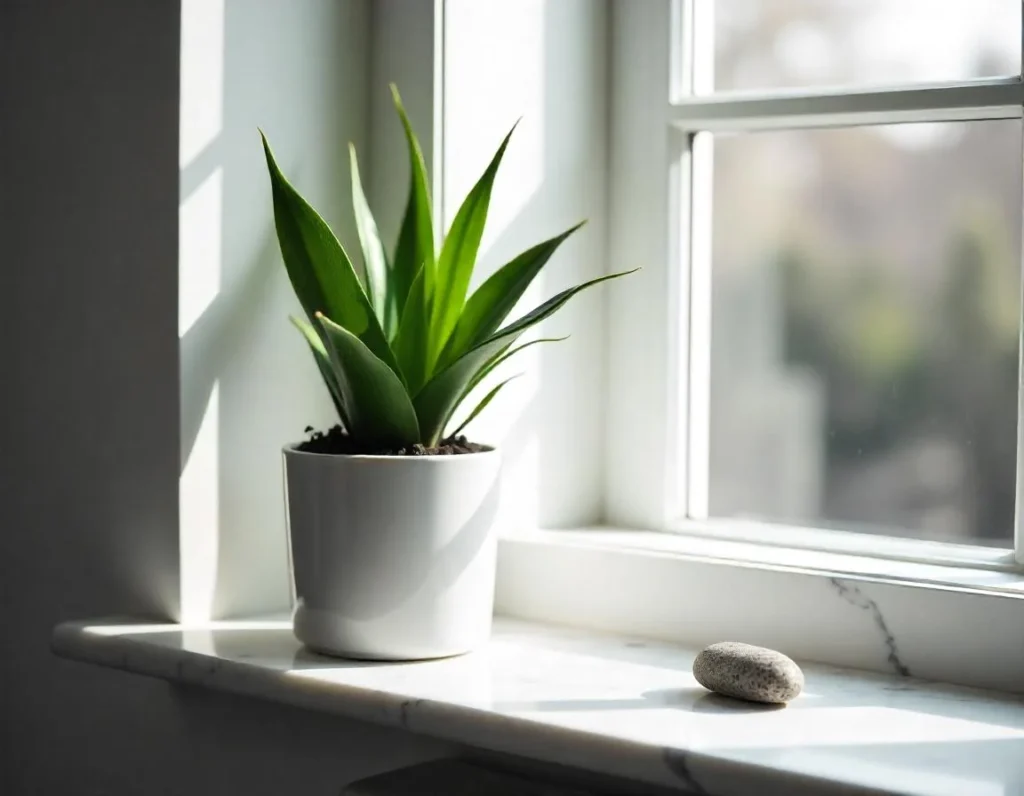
(401,345)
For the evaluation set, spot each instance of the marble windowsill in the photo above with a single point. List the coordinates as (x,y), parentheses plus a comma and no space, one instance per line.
(610,705)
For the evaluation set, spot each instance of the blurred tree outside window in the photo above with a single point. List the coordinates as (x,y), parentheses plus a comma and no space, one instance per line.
(866,280)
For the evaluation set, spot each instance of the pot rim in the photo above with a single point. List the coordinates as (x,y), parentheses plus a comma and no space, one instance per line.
(292,449)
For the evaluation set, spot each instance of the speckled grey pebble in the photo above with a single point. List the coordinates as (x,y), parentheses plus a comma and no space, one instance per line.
(747,672)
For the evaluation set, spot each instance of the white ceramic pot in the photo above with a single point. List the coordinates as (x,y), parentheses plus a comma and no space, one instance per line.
(392,557)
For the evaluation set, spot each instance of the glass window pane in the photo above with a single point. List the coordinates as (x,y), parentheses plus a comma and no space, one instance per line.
(765,44)
(864,336)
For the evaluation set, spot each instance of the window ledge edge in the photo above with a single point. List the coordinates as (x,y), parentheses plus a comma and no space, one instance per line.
(950,624)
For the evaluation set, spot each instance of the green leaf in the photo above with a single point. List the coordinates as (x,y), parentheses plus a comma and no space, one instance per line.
(374,260)
(378,405)
(413,339)
(324,364)
(320,271)
(505,355)
(483,404)
(415,247)
(491,303)
(436,402)
(459,251)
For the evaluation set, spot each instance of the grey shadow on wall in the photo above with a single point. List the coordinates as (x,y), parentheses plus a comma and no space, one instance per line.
(206,347)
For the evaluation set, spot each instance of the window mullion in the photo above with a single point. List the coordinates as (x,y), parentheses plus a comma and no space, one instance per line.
(699,333)
(678,453)
(681,48)
(1018,515)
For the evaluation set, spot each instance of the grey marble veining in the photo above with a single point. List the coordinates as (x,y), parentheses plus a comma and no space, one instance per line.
(855,596)
(616,706)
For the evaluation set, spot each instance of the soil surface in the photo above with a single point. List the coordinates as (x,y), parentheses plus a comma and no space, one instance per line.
(336,441)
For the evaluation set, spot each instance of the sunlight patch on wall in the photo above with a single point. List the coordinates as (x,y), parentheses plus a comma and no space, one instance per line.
(199,496)
(200,273)
(202,76)
(199,250)
(494,74)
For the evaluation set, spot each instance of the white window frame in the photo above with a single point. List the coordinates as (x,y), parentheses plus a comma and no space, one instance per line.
(939,611)
(668,70)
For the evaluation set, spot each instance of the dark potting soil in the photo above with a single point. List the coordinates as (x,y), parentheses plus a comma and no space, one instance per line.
(336,441)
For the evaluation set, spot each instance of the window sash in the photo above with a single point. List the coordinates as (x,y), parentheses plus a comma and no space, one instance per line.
(693,115)
(969,100)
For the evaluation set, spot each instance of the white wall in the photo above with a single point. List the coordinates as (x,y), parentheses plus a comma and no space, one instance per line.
(313,74)
(402,52)
(298,70)
(546,61)
(90,407)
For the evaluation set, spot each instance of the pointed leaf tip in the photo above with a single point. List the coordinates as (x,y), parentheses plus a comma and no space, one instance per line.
(483,404)
(376,270)
(491,303)
(459,254)
(436,401)
(319,269)
(414,252)
(396,97)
